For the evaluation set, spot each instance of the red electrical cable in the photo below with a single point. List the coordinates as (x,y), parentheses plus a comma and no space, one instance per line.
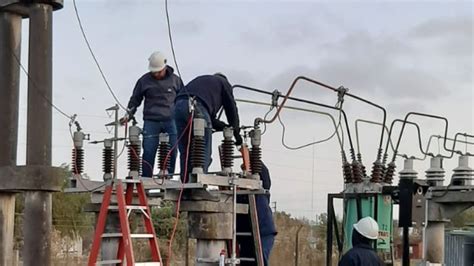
(178,204)
(175,146)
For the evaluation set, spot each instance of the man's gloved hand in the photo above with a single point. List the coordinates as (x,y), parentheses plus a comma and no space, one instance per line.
(218,125)
(124,119)
(238,139)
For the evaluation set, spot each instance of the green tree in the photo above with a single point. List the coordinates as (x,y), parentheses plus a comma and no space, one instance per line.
(69,217)
(464,219)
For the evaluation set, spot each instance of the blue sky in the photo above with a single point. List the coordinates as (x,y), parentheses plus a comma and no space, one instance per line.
(405,55)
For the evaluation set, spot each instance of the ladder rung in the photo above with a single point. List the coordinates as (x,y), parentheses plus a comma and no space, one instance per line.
(147,264)
(244,234)
(114,235)
(246,259)
(129,207)
(104,262)
(134,181)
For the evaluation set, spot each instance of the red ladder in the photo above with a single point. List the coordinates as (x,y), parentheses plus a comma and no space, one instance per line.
(125,207)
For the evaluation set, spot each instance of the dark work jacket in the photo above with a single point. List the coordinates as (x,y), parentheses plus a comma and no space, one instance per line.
(361,253)
(159,96)
(264,212)
(214,92)
(265,216)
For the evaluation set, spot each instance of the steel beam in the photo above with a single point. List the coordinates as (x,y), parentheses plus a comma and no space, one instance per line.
(37,222)
(10,44)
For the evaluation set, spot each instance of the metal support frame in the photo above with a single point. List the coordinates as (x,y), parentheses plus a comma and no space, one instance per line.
(332,227)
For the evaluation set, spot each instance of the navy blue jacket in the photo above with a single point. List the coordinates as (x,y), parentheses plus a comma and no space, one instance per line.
(159,96)
(264,212)
(361,253)
(214,92)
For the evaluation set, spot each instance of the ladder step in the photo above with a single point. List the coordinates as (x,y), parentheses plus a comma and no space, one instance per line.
(104,262)
(147,264)
(115,235)
(244,234)
(129,207)
(247,259)
(133,181)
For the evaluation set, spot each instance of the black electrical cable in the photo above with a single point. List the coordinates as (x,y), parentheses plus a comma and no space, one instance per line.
(340,139)
(355,97)
(95,58)
(307,102)
(171,38)
(373,123)
(308,144)
(265,117)
(395,150)
(445,120)
(35,87)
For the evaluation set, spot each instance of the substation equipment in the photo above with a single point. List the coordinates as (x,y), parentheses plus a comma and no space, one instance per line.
(213,201)
(424,202)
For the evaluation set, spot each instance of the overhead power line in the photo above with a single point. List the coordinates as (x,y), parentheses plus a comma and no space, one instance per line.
(95,58)
(171,38)
(35,87)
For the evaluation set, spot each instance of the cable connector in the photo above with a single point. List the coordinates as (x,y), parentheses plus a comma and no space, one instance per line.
(341,92)
(275,95)
(191,104)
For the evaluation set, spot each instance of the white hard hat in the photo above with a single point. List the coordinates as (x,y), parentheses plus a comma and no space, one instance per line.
(367,227)
(157,62)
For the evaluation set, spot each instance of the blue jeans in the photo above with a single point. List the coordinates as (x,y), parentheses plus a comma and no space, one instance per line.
(151,131)
(267,245)
(181,117)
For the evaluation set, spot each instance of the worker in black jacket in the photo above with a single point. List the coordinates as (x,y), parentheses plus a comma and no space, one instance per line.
(159,88)
(208,94)
(365,232)
(266,224)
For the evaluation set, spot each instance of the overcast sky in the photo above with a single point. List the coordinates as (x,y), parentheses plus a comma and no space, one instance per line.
(404,55)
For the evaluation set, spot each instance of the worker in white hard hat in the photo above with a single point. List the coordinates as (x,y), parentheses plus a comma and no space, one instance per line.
(364,233)
(159,88)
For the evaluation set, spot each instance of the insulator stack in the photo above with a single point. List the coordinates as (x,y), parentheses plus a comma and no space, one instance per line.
(356,172)
(228,149)
(389,173)
(164,159)
(435,174)
(463,174)
(346,168)
(77,161)
(377,172)
(108,159)
(198,151)
(256,151)
(347,171)
(78,152)
(352,152)
(256,160)
(408,172)
(362,166)
(134,147)
(384,161)
(134,157)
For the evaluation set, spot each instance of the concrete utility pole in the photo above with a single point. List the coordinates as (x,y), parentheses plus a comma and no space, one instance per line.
(38,178)
(10,38)
(38,209)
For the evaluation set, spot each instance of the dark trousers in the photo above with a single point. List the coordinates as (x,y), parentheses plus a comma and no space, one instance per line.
(267,245)
(182,118)
(151,132)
